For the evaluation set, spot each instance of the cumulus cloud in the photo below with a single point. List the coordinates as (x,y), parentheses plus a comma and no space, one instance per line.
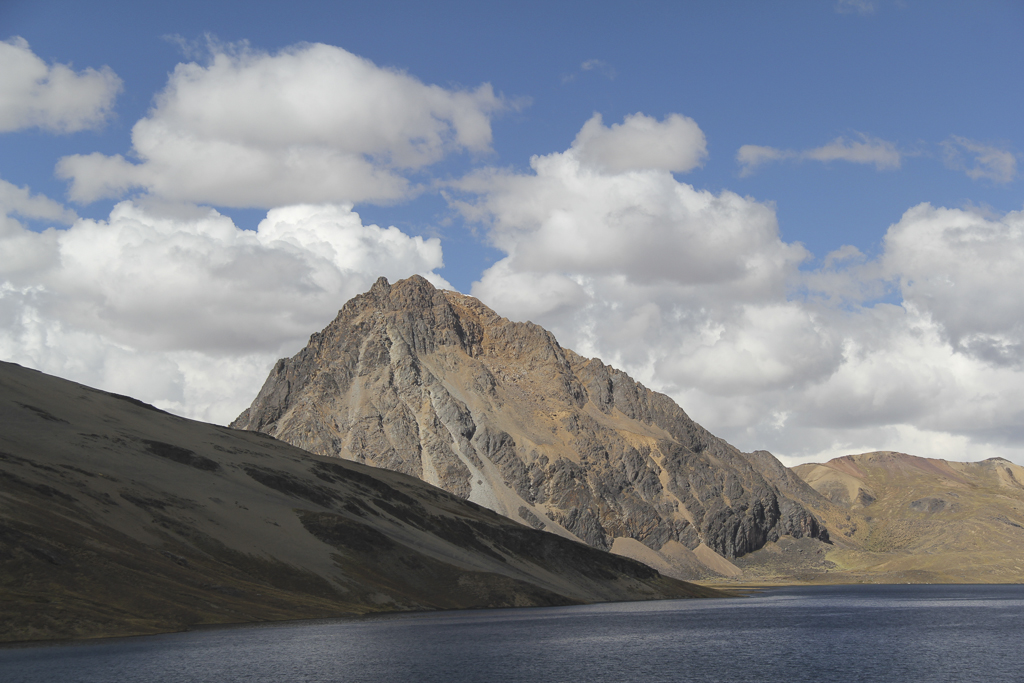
(52,97)
(604,257)
(641,143)
(696,295)
(21,201)
(965,272)
(184,309)
(866,150)
(312,123)
(993,163)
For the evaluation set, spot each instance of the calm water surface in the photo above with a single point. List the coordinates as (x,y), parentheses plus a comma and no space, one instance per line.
(848,633)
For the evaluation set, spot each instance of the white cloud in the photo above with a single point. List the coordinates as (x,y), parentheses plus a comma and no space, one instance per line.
(749,157)
(54,97)
(641,143)
(843,254)
(595,65)
(603,258)
(993,163)
(866,150)
(184,309)
(966,272)
(696,295)
(600,66)
(22,250)
(21,201)
(309,124)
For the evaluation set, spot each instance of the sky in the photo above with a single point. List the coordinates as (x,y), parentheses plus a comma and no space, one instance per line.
(804,221)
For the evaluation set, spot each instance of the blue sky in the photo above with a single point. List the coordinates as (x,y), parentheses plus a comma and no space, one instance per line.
(819,124)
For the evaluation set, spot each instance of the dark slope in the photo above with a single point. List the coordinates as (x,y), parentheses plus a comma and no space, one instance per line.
(117,518)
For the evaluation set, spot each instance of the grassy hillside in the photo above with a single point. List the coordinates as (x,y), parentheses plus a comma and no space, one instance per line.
(908,519)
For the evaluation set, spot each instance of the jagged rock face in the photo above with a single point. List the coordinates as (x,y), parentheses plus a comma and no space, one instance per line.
(434,384)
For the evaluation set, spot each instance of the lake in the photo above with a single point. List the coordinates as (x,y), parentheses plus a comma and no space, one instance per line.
(846,633)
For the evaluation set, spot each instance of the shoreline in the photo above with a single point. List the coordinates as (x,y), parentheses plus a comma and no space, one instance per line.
(737,590)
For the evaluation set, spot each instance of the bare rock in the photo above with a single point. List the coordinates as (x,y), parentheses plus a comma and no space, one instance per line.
(434,384)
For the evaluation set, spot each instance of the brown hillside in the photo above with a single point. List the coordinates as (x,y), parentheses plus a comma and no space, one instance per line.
(921,519)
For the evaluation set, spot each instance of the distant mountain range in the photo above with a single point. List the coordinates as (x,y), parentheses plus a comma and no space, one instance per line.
(117,518)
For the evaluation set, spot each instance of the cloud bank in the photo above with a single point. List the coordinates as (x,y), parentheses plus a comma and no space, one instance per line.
(186,310)
(696,295)
(692,292)
(52,97)
(312,123)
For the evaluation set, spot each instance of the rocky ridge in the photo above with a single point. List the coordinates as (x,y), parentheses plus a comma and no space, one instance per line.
(436,385)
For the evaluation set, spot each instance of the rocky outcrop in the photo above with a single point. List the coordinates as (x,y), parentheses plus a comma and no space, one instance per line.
(434,384)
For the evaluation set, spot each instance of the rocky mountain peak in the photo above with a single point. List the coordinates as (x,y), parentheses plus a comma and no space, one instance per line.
(435,384)
(381,288)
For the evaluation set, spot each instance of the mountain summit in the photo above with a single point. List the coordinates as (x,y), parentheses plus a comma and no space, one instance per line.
(434,384)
